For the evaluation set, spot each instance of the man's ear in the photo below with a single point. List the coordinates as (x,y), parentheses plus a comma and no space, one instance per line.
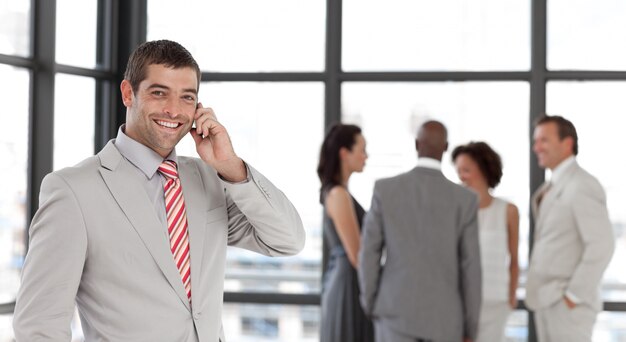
(570,143)
(127,93)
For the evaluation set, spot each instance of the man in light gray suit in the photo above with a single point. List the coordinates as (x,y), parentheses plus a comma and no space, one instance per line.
(573,239)
(429,288)
(115,236)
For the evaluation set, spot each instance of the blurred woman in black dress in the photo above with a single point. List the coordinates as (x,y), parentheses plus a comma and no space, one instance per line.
(342,153)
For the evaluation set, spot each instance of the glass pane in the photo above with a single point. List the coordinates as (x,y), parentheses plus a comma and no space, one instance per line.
(516,329)
(244,35)
(405,35)
(14,83)
(265,323)
(15,27)
(77,330)
(598,110)
(77,33)
(610,327)
(277,128)
(74,117)
(390,113)
(586,34)
(6,328)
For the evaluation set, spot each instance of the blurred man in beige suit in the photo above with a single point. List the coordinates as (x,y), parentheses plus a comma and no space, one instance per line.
(573,241)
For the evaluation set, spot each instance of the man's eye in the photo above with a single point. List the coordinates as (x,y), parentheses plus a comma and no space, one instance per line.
(158,93)
(190,98)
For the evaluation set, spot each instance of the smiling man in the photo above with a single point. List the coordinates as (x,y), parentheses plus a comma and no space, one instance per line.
(136,236)
(573,239)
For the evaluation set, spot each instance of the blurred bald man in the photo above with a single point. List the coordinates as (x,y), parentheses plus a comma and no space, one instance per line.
(429,287)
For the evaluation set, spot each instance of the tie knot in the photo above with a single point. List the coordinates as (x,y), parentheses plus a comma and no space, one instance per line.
(168,169)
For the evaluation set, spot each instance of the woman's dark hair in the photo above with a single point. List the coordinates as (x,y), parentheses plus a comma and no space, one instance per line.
(488,160)
(329,166)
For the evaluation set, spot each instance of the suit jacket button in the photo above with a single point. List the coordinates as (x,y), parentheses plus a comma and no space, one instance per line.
(196,316)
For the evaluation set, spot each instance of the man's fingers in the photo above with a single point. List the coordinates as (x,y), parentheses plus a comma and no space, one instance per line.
(196,137)
(201,111)
(205,119)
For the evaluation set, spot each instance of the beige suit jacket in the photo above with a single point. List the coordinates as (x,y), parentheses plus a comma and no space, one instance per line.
(96,241)
(573,241)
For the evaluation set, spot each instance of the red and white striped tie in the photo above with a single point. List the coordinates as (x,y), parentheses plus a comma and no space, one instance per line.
(177,222)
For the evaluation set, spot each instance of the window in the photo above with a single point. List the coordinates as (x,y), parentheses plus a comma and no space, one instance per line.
(248,322)
(277,128)
(248,49)
(76,47)
(450,35)
(73,120)
(244,35)
(586,35)
(610,327)
(494,112)
(15,27)
(14,83)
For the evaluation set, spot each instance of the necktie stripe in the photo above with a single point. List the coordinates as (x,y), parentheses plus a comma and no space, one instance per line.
(174,221)
(177,222)
(176,241)
(183,257)
(172,209)
(176,235)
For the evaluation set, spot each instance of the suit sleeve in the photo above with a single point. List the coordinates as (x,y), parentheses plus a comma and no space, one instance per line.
(261,218)
(596,233)
(372,244)
(53,267)
(470,277)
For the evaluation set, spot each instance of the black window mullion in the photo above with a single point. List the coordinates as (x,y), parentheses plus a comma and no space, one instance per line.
(130,25)
(104,120)
(537,108)
(332,89)
(41,123)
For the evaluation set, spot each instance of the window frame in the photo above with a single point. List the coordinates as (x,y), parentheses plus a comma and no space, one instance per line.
(122,25)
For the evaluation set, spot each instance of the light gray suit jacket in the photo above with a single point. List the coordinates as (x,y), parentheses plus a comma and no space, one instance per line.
(96,241)
(430,284)
(573,241)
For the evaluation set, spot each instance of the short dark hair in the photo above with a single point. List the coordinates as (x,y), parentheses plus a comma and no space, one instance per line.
(488,160)
(164,52)
(565,127)
(329,166)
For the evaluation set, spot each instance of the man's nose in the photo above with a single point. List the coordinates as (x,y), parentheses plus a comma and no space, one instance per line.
(172,107)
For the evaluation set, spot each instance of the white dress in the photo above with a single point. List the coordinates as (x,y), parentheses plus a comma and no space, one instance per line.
(494,257)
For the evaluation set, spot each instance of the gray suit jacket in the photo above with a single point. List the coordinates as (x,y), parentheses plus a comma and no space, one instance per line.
(96,241)
(573,241)
(430,283)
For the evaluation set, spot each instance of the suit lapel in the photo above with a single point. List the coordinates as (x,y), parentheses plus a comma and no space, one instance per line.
(137,207)
(535,199)
(196,205)
(550,198)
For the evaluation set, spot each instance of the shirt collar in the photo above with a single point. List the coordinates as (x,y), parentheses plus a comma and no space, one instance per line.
(560,169)
(140,155)
(429,163)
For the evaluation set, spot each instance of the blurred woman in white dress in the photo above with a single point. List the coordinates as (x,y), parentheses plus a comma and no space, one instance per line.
(480,168)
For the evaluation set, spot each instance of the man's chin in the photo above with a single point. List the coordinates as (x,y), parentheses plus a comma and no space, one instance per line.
(168,145)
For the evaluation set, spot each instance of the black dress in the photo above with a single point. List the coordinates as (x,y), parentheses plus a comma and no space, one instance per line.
(343,319)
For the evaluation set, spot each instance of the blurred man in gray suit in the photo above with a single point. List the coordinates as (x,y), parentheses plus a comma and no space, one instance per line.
(573,240)
(429,287)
